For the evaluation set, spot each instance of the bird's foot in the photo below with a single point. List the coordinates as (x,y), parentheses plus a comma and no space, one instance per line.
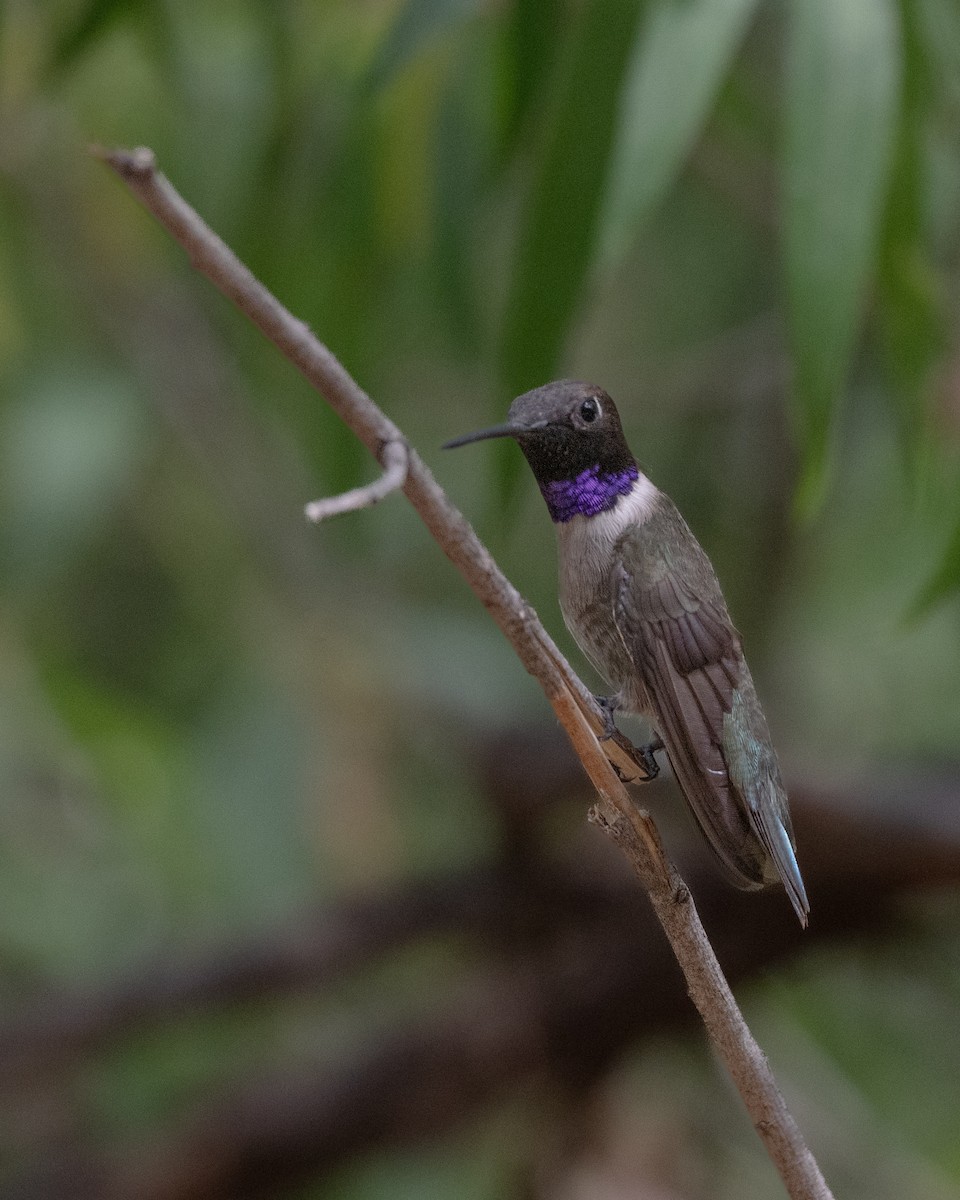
(608,706)
(646,753)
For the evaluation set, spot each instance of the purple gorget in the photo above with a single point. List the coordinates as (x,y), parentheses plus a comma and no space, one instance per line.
(588,493)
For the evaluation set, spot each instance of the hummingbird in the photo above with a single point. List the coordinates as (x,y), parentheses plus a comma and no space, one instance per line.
(642,600)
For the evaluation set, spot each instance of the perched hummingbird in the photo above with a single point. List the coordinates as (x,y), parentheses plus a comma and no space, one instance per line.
(642,600)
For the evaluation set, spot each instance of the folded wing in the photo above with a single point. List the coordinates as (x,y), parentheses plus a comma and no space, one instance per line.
(688,654)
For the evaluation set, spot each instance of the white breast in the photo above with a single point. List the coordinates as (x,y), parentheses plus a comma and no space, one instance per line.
(586,543)
(585,547)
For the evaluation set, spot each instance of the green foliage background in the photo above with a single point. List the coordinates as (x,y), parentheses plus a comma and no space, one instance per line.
(741,218)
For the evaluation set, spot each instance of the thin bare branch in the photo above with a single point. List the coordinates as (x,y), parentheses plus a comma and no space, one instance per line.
(393,458)
(580,716)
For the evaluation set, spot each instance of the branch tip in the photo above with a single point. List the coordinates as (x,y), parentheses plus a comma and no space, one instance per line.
(137,164)
(395,460)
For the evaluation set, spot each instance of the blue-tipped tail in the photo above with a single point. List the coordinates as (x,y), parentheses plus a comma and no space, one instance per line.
(778,842)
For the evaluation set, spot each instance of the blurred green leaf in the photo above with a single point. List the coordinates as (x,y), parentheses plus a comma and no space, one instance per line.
(938,25)
(92,22)
(417,25)
(533,35)
(455,190)
(95,20)
(557,230)
(689,40)
(843,79)
(351,265)
(944,582)
(911,326)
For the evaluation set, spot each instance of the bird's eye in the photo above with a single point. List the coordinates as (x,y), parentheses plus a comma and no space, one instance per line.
(590,410)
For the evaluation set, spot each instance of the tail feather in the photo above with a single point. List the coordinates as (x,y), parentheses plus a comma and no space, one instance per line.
(777,839)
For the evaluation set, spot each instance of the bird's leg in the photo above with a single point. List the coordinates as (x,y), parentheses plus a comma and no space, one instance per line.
(608,706)
(646,754)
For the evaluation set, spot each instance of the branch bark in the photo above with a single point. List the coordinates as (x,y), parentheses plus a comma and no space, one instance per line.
(608,765)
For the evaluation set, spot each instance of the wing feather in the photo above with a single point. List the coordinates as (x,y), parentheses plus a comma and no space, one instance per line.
(687,655)
(688,652)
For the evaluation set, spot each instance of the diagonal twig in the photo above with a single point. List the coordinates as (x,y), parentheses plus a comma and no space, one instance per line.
(579,714)
(394,460)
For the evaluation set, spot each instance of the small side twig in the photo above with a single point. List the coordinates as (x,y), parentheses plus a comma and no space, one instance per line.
(580,716)
(394,459)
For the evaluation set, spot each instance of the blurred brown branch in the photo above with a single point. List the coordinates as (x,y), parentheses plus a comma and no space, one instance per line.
(632,829)
(862,850)
(575,971)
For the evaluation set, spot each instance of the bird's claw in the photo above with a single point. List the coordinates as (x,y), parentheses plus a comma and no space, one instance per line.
(646,753)
(608,705)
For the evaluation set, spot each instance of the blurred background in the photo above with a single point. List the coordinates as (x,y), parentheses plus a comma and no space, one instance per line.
(297,897)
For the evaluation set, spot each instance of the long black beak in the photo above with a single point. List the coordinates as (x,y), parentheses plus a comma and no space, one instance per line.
(495,431)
